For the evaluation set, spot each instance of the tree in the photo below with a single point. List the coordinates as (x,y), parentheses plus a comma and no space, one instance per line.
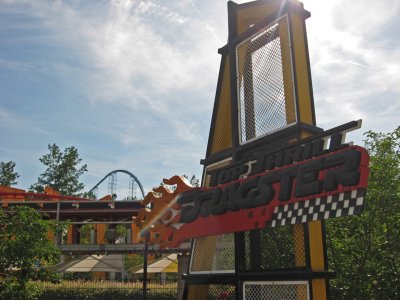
(8,176)
(133,262)
(25,251)
(365,249)
(193,181)
(62,173)
(91,195)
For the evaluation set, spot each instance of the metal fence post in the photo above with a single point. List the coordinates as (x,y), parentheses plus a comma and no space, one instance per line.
(146,250)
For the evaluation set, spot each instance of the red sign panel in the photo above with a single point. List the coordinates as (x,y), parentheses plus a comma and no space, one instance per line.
(331,185)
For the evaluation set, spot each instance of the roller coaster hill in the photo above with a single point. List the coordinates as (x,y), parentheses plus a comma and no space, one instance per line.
(100,218)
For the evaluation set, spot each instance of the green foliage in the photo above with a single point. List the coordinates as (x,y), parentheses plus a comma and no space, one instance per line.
(8,176)
(121,231)
(10,288)
(85,233)
(193,181)
(278,246)
(365,249)
(108,293)
(90,195)
(62,173)
(25,251)
(98,290)
(133,262)
(90,294)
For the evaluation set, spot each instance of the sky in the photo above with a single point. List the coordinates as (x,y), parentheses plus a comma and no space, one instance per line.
(131,83)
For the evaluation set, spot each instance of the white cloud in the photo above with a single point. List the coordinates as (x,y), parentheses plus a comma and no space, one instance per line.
(15,65)
(153,66)
(132,60)
(15,124)
(150,57)
(158,11)
(349,64)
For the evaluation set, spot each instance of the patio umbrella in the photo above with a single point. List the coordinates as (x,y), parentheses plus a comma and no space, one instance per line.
(167,264)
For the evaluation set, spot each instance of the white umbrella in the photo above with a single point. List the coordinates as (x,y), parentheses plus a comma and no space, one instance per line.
(167,264)
(95,263)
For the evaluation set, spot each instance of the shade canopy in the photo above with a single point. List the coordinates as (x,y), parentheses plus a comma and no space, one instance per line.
(94,263)
(167,264)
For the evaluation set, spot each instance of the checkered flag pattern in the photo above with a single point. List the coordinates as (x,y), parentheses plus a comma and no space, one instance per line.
(321,208)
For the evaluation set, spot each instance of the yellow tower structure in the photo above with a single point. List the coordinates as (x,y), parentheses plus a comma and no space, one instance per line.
(263,101)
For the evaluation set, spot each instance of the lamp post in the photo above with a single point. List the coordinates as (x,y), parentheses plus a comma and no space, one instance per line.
(146,250)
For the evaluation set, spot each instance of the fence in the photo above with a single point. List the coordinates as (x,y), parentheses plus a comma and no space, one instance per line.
(106,290)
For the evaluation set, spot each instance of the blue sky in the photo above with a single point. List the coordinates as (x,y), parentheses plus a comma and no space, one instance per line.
(131,83)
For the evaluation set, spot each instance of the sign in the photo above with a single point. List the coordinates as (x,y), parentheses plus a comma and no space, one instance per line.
(331,185)
(301,183)
(267,164)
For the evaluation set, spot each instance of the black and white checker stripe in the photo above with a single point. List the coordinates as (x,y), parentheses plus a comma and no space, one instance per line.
(343,204)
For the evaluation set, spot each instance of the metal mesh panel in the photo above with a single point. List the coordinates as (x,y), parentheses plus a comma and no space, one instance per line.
(275,248)
(222,136)
(265,82)
(212,291)
(214,254)
(276,290)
